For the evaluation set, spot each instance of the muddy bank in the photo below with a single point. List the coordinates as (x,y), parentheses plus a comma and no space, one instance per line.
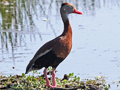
(69,82)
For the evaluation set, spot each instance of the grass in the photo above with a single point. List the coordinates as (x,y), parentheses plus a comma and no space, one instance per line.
(23,82)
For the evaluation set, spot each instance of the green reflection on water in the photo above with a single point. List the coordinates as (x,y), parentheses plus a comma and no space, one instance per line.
(15,22)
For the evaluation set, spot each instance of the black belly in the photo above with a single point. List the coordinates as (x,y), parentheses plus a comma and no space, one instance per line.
(49,59)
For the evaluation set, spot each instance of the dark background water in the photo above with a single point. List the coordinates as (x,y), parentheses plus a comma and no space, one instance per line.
(25,25)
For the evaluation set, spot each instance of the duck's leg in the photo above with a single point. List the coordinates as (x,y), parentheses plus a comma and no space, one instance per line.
(47,80)
(53,77)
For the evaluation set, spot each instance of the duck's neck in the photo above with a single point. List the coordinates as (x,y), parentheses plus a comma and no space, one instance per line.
(67,27)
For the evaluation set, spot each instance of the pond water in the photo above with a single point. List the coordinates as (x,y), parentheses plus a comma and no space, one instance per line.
(27,25)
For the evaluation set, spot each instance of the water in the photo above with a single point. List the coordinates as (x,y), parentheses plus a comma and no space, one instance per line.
(27,25)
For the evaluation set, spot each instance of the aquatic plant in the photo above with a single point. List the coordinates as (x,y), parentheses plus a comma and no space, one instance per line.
(38,82)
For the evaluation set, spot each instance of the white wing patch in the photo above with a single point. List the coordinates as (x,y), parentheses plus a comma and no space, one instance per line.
(44,53)
(41,54)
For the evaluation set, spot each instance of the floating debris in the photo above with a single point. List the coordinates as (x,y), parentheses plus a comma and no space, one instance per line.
(45,19)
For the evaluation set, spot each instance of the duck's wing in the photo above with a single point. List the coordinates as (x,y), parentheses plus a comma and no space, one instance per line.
(46,48)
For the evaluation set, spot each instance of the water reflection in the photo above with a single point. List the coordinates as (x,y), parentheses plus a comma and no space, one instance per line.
(25,25)
(16,22)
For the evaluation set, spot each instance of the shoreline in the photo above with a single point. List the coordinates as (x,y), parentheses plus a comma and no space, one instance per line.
(69,82)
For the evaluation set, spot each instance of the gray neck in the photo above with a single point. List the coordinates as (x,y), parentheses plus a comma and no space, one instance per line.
(67,27)
(64,15)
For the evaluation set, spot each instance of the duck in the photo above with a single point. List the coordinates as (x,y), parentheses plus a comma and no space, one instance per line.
(54,51)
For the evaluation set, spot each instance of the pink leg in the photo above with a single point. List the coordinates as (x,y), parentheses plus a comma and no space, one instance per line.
(47,80)
(53,77)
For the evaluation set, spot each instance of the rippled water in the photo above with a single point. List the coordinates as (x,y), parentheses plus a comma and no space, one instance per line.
(96,40)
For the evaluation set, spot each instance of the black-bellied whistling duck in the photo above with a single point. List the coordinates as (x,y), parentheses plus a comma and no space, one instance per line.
(55,51)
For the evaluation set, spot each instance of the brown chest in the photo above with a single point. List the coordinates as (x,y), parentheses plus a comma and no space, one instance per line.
(63,47)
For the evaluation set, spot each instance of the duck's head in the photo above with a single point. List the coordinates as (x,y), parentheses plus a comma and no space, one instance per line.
(69,8)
